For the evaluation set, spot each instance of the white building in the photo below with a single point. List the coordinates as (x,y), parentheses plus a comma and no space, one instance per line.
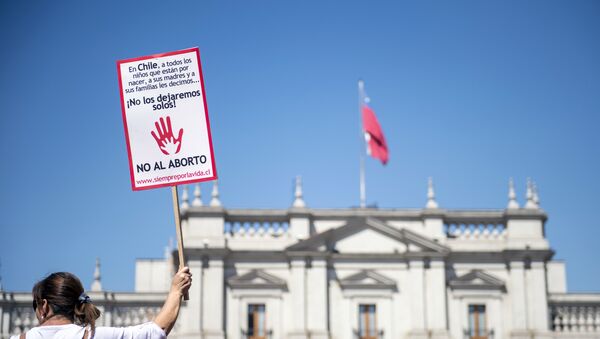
(354,274)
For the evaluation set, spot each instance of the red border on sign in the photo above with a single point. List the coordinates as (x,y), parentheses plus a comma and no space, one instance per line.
(212,155)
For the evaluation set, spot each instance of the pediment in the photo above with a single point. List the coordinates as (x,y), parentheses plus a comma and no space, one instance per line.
(477,280)
(362,233)
(367,279)
(256,279)
(370,241)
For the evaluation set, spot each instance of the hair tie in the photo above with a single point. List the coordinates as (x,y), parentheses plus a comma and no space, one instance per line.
(84,299)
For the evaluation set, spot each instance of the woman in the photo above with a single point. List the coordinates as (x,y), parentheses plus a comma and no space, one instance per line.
(64,311)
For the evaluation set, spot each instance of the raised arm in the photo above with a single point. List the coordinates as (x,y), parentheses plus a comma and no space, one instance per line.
(179,286)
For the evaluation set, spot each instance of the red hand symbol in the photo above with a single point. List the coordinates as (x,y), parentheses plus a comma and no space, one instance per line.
(167,143)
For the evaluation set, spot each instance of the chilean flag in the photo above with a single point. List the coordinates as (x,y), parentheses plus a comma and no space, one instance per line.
(376,145)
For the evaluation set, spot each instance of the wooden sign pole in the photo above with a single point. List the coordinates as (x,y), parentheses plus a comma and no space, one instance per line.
(175,195)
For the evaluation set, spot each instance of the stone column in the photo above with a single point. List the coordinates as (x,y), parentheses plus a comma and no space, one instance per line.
(436,299)
(3,323)
(518,300)
(190,313)
(296,309)
(107,314)
(213,304)
(234,316)
(537,300)
(316,290)
(417,300)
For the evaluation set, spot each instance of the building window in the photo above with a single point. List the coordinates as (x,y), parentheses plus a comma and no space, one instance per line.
(477,327)
(256,321)
(367,324)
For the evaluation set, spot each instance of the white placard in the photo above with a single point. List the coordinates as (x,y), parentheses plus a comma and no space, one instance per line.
(166,119)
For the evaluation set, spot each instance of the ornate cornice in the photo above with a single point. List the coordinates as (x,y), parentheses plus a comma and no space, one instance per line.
(203,211)
(501,256)
(448,215)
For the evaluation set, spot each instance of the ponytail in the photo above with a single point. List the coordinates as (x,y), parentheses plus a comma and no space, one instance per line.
(86,313)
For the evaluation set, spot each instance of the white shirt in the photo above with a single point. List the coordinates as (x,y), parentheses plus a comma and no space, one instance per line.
(147,330)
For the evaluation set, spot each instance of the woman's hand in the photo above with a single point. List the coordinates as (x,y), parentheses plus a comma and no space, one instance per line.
(182,280)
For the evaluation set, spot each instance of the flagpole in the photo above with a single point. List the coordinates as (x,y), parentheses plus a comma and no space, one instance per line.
(363,189)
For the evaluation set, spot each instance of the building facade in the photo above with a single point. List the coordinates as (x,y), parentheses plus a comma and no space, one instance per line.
(359,273)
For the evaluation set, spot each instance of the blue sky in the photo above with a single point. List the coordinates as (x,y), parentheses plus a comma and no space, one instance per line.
(468,92)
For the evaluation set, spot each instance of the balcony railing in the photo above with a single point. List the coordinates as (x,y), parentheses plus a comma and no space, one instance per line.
(251,223)
(376,335)
(575,313)
(475,231)
(249,335)
(487,334)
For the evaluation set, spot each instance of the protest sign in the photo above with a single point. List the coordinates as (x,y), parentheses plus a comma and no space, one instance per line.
(166,120)
(166,124)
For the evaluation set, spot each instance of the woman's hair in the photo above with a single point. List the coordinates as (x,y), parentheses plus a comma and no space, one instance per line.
(66,297)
